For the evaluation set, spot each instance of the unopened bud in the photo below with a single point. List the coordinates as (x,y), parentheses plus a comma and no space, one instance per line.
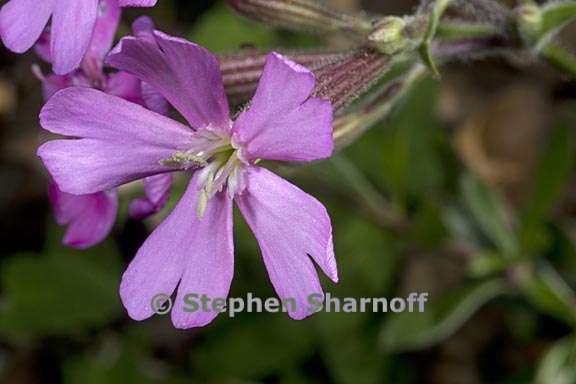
(530,19)
(388,35)
(529,14)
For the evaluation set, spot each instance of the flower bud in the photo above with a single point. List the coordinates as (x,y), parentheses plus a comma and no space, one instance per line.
(388,35)
(530,20)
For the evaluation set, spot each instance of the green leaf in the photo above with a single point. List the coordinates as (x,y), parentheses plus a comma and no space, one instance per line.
(347,176)
(428,230)
(555,15)
(221,30)
(442,317)
(114,360)
(548,291)
(559,364)
(351,359)
(562,252)
(412,147)
(489,210)
(62,293)
(484,264)
(551,177)
(460,227)
(560,58)
(372,269)
(349,347)
(221,355)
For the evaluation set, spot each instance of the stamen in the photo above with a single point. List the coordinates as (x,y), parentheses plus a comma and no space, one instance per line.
(221,162)
(224,172)
(202,204)
(185,160)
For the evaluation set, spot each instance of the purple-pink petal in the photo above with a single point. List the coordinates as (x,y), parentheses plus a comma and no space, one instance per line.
(143,28)
(291,227)
(107,21)
(72,26)
(117,141)
(156,194)
(126,86)
(42,46)
(89,113)
(198,251)
(187,75)
(22,22)
(137,3)
(89,218)
(153,100)
(283,123)
(51,83)
(209,261)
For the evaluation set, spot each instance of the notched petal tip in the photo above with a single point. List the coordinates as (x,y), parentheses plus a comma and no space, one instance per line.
(331,267)
(283,122)
(117,50)
(136,308)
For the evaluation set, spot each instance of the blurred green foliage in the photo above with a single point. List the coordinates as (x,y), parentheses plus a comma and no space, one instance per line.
(59,292)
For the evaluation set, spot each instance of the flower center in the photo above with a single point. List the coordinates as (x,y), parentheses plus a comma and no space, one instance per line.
(221,166)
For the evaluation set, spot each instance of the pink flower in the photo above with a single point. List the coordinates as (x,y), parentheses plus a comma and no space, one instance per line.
(90,217)
(73,21)
(114,142)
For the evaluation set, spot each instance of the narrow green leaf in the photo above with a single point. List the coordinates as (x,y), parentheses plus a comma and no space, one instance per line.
(556,14)
(552,174)
(411,148)
(489,210)
(442,317)
(548,291)
(560,58)
(484,264)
